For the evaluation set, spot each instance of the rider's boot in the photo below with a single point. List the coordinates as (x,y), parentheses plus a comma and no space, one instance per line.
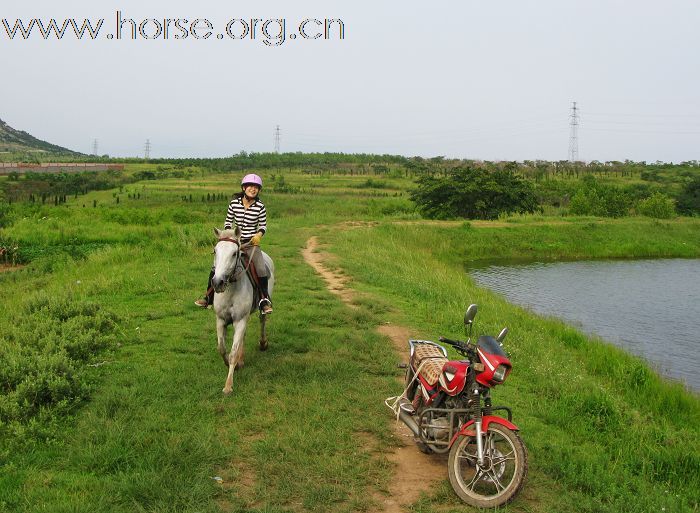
(208,298)
(265,303)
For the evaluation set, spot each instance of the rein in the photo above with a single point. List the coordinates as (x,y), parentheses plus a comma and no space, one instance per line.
(244,268)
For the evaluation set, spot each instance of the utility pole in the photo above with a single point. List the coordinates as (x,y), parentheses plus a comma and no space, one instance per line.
(573,134)
(277,139)
(147,149)
(94,147)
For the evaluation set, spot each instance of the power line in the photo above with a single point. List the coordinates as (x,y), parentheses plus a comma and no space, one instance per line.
(573,134)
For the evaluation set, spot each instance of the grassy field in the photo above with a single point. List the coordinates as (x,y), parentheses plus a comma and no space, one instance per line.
(112,384)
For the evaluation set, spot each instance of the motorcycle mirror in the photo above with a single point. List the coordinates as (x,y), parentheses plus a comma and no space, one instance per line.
(470,314)
(502,335)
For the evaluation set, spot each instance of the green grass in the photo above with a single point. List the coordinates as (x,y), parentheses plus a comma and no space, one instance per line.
(563,239)
(305,428)
(609,433)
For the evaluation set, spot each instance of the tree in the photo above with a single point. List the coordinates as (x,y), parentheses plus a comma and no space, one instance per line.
(689,198)
(474,193)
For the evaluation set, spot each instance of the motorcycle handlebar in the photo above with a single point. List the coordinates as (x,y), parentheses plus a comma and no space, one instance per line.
(463,347)
(449,341)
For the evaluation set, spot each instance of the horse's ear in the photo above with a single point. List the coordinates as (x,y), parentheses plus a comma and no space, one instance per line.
(216,232)
(238,232)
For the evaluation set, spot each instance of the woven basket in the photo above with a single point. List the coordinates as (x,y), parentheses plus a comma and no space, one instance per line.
(431,358)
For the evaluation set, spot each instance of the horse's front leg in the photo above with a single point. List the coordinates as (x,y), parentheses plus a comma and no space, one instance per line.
(235,357)
(263,333)
(221,339)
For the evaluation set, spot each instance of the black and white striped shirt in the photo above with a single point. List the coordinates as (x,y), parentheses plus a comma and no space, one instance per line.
(251,220)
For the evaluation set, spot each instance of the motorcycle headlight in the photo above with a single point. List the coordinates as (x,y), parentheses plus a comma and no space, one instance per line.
(499,374)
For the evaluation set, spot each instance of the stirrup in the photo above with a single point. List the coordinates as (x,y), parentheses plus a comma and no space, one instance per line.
(265,302)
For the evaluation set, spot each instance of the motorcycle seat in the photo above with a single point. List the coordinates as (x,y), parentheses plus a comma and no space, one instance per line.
(432,361)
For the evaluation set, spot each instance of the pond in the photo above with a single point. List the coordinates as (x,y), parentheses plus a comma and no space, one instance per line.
(648,307)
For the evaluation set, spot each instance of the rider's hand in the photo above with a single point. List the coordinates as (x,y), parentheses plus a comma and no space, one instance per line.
(255,239)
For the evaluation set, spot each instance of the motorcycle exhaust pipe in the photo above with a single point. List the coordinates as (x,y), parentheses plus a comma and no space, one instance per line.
(405,415)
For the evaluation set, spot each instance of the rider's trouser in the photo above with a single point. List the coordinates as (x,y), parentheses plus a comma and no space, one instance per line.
(260,269)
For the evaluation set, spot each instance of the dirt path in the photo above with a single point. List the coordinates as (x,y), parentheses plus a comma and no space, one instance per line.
(415,472)
(335,281)
(4,268)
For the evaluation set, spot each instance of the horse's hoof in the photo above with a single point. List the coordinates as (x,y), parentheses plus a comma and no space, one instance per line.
(227,391)
(239,365)
(263,345)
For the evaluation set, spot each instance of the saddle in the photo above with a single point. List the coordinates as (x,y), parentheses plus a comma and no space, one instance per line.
(432,361)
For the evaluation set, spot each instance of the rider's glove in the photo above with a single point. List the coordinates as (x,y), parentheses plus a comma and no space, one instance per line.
(255,239)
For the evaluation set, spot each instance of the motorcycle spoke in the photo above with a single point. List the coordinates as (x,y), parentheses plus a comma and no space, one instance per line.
(475,479)
(494,479)
(468,457)
(504,457)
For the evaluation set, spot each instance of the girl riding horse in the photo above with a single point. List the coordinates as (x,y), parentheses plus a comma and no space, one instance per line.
(248,213)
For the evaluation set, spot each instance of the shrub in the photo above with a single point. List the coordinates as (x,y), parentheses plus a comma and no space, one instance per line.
(595,199)
(689,198)
(372,184)
(5,210)
(279,185)
(474,193)
(44,352)
(658,206)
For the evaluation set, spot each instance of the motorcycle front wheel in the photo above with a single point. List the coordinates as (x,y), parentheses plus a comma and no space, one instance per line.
(502,474)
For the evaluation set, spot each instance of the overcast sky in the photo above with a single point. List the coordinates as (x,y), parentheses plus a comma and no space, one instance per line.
(463,79)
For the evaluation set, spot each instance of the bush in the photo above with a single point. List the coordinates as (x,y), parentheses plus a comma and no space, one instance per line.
(595,199)
(5,210)
(44,352)
(474,193)
(279,185)
(658,206)
(372,184)
(689,198)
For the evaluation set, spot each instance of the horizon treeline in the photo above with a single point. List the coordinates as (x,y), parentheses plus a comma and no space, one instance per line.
(610,189)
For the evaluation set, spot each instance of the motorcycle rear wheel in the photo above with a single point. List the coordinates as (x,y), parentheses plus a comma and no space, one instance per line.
(501,477)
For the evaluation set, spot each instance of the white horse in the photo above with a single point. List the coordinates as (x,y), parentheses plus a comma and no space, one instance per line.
(235,298)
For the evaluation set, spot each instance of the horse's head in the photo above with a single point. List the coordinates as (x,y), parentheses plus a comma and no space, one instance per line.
(227,255)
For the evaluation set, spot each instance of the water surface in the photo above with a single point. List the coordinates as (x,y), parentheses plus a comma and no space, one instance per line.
(648,307)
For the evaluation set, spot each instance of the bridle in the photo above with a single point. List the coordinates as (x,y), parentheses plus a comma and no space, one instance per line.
(234,276)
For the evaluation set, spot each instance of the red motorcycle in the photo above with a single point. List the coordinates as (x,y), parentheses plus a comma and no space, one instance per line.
(447,406)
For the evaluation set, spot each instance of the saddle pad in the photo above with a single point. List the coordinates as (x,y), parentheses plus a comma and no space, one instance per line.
(432,360)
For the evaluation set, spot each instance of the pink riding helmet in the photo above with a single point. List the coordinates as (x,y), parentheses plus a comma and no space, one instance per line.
(251,179)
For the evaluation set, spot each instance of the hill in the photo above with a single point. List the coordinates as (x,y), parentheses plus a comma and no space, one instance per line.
(17,141)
